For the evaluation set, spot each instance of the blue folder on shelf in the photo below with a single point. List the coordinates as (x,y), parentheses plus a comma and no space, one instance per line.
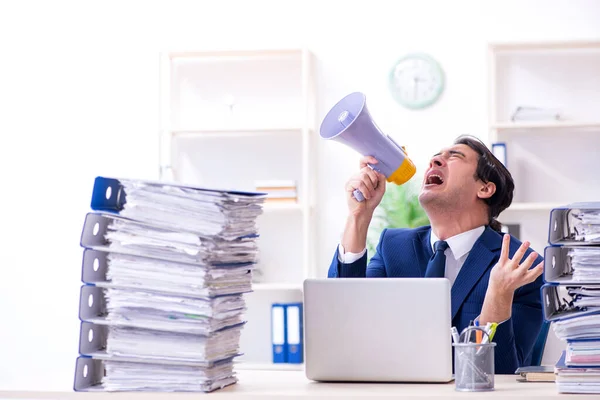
(278,333)
(499,150)
(294,336)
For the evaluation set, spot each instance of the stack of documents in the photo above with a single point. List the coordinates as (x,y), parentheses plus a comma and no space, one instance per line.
(278,191)
(165,268)
(586,225)
(527,113)
(574,379)
(571,295)
(128,376)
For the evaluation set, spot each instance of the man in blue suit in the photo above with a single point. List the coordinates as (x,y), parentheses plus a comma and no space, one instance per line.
(494,277)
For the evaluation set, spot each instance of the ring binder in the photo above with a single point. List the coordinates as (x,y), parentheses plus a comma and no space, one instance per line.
(88,374)
(180,278)
(294,337)
(94,266)
(94,342)
(564,266)
(188,315)
(575,224)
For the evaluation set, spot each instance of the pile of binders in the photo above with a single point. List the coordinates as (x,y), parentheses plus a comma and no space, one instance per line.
(164,271)
(571,294)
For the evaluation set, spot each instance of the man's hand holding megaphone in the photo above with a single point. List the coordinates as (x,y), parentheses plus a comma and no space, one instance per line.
(371,184)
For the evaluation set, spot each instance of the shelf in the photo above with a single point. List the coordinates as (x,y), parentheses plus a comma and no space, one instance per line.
(276,286)
(234,132)
(267,207)
(535,125)
(235,55)
(269,366)
(526,206)
(544,46)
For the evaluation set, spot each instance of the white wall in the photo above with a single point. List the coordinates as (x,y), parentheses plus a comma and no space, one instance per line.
(79,98)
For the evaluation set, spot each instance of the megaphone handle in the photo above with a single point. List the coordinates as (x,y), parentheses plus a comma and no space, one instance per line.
(358,195)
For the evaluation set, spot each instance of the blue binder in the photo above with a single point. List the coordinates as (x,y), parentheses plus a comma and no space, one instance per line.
(499,151)
(278,333)
(294,333)
(109,194)
(561,266)
(556,308)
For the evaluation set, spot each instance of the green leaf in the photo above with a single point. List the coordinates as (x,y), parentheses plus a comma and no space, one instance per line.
(399,208)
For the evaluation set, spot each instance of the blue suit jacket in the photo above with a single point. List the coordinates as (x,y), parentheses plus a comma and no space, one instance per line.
(405,253)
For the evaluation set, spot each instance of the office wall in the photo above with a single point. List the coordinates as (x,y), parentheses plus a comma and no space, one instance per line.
(79,98)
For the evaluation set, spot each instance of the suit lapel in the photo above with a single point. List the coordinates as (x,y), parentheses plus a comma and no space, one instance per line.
(478,261)
(423,250)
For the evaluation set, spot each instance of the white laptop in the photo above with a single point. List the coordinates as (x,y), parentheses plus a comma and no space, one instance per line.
(378,329)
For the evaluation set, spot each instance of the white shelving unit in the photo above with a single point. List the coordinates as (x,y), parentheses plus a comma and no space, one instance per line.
(557,126)
(229,119)
(553,162)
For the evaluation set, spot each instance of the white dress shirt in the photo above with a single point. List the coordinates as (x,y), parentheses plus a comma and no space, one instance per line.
(457,252)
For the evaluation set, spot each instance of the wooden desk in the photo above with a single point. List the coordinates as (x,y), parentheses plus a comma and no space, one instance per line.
(293,384)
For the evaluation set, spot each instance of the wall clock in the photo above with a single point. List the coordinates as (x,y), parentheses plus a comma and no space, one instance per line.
(416,81)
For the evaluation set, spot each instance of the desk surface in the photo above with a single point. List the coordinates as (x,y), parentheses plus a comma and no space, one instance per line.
(294,384)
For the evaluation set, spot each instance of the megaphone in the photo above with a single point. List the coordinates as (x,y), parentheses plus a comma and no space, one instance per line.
(350,123)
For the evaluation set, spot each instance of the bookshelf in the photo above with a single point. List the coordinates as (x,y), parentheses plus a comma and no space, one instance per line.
(557,126)
(553,161)
(228,120)
(533,206)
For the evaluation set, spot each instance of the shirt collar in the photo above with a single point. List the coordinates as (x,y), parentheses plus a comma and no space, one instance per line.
(462,243)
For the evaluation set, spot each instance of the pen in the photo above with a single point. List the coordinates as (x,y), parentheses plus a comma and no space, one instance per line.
(478,333)
(493,330)
(455,336)
(468,337)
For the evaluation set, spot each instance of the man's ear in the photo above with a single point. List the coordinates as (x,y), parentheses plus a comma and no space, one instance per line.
(487,190)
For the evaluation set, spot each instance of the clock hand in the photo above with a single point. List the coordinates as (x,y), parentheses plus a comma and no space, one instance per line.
(416,80)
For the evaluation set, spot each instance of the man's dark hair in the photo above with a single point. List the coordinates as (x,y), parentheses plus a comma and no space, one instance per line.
(490,169)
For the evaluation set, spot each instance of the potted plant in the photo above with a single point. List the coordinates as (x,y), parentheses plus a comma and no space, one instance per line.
(399,208)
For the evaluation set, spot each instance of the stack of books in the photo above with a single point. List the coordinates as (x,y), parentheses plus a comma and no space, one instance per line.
(571,294)
(278,191)
(527,113)
(165,268)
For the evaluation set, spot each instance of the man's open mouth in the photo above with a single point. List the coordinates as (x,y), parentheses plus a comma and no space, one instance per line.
(434,179)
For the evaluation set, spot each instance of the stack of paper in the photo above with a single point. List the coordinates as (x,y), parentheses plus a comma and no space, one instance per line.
(576,379)
(203,316)
(170,265)
(130,271)
(586,225)
(573,265)
(128,376)
(527,113)
(584,264)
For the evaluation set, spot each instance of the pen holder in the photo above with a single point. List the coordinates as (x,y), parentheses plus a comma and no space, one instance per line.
(474,366)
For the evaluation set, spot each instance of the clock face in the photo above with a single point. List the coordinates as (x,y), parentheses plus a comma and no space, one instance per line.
(416,81)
